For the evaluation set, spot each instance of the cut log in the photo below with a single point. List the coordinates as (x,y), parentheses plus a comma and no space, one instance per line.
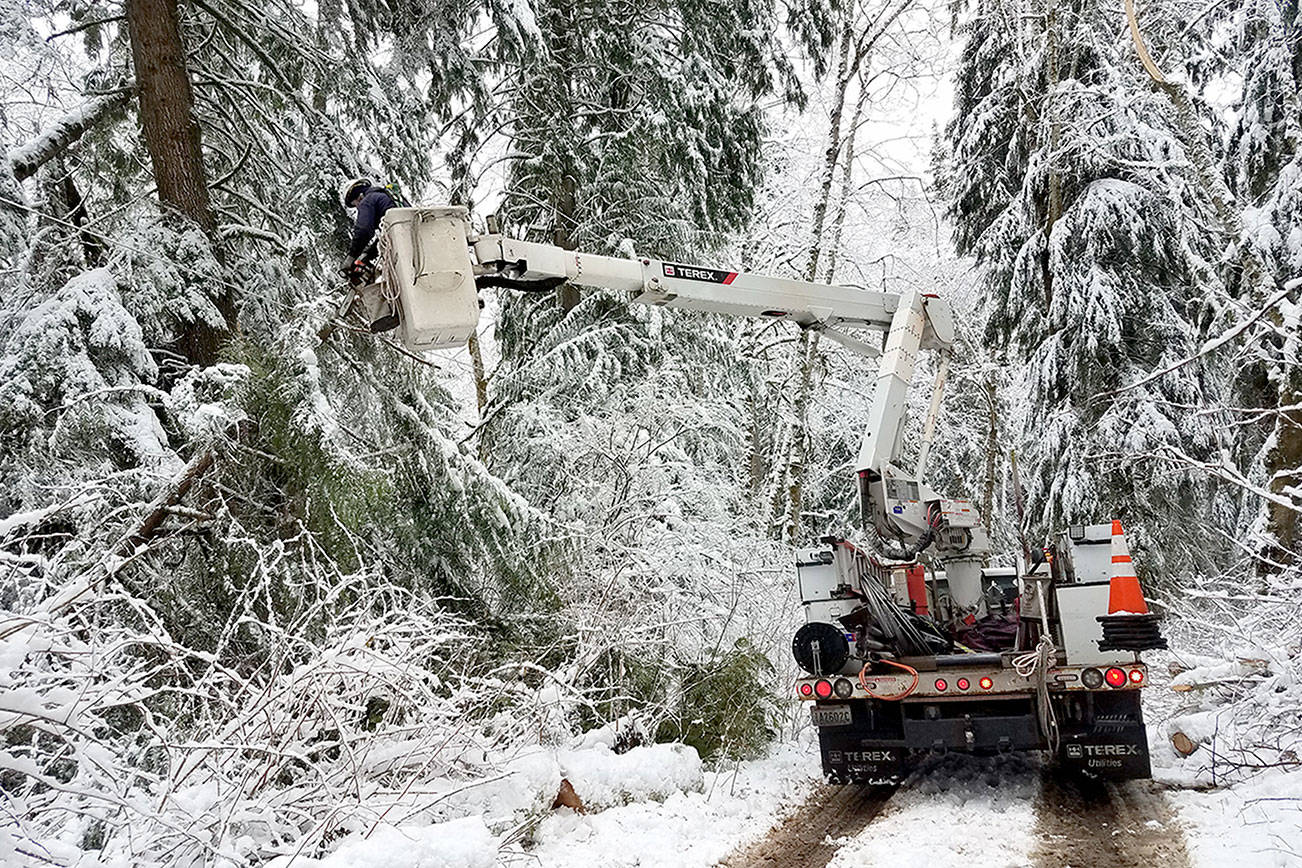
(1183,744)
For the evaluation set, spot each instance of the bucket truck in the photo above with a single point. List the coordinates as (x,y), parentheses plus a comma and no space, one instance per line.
(911,645)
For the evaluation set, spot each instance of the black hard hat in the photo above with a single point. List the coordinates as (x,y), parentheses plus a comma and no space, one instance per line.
(354,189)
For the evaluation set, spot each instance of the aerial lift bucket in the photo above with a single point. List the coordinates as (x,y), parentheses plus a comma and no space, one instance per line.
(427,271)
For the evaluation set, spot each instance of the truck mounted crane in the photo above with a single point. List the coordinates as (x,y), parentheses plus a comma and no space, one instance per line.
(893,669)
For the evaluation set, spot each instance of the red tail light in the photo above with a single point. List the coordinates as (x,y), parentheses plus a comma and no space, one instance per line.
(963,684)
(1115,677)
(986,683)
(1136,676)
(942,685)
(824,688)
(806,689)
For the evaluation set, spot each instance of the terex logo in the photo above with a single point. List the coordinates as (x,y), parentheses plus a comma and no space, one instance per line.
(693,272)
(1076,751)
(869,756)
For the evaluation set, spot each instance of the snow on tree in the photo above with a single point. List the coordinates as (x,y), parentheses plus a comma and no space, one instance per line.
(1068,190)
(76,387)
(1265,171)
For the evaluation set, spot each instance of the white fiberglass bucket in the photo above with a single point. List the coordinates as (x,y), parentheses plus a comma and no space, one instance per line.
(427,270)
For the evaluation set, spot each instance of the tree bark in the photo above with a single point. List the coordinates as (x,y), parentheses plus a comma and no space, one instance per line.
(171,136)
(992,448)
(800,436)
(568,295)
(481,379)
(167,109)
(847,173)
(832,154)
(797,463)
(92,245)
(562,47)
(328,15)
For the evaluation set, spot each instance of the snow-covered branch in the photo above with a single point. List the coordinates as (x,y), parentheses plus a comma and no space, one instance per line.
(26,159)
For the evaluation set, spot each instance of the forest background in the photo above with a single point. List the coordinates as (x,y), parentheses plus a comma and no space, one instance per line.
(265,575)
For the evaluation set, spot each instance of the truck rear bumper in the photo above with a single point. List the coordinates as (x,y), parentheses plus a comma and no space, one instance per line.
(883,740)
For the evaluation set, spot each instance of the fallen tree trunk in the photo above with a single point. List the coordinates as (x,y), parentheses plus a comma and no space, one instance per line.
(161,508)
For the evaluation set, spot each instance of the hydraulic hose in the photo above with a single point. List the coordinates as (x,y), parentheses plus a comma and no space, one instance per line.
(547,284)
(889,697)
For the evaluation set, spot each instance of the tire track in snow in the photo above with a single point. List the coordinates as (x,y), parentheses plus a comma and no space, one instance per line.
(809,838)
(1083,822)
(955,811)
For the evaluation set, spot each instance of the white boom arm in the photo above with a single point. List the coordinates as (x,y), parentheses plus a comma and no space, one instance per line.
(912,321)
(434,262)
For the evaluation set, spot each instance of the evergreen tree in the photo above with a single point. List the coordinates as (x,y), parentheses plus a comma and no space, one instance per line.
(1096,269)
(629,129)
(1265,172)
(1252,194)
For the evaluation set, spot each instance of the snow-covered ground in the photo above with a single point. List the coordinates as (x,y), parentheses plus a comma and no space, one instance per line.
(955,812)
(650,806)
(656,806)
(687,829)
(1255,822)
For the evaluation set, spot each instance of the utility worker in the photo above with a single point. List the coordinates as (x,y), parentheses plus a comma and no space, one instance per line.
(371,202)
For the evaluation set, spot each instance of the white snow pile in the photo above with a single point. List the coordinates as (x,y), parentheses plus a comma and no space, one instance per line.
(604,779)
(464,843)
(1232,685)
(688,829)
(656,795)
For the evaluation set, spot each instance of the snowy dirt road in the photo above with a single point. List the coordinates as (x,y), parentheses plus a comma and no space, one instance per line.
(808,837)
(1082,822)
(960,811)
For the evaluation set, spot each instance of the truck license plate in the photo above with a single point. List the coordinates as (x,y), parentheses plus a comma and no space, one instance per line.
(831,715)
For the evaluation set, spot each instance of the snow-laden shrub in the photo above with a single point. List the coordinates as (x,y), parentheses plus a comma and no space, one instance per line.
(75,379)
(1238,675)
(121,740)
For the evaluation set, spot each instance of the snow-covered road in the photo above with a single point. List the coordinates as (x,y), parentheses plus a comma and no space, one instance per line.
(953,812)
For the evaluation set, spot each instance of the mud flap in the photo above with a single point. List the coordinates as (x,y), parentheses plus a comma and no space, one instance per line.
(865,764)
(1113,751)
(868,749)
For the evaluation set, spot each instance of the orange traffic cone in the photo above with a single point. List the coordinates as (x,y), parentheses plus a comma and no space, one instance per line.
(1124,594)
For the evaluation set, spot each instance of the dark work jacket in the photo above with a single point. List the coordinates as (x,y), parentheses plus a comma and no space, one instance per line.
(375,201)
